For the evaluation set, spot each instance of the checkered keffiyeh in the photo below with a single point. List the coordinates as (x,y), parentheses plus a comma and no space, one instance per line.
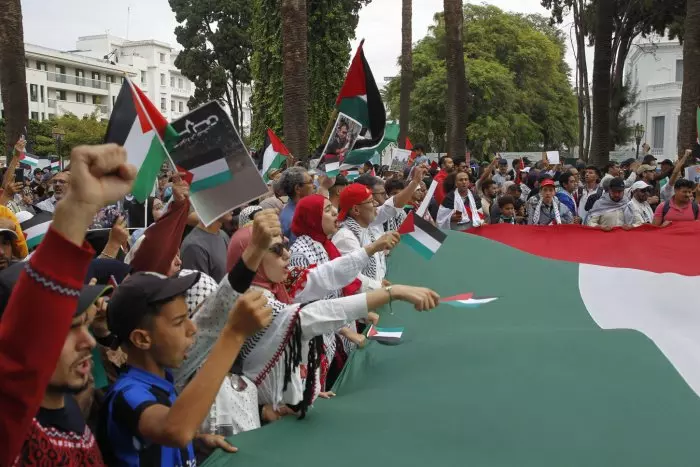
(247,214)
(199,292)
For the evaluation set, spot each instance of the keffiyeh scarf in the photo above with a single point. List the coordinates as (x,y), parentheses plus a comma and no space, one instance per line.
(538,210)
(199,292)
(371,269)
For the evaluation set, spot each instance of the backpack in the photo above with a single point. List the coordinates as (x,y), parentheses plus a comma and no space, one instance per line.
(667,207)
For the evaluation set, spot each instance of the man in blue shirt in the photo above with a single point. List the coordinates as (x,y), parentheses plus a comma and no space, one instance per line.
(296,183)
(144,421)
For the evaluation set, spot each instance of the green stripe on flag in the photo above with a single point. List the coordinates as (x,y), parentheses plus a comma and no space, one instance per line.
(210,182)
(35,241)
(148,172)
(417,246)
(355,107)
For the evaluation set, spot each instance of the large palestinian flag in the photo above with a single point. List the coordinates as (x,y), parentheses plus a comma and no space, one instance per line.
(360,99)
(137,125)
(589,356)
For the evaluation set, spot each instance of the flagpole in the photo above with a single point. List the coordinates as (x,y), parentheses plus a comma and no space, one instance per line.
(329,127)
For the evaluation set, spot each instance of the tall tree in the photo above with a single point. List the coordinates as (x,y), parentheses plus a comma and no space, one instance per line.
(295,78)
(406,70)
(690,97)
(13,80)
(217,47)
(456,79)
(602,60)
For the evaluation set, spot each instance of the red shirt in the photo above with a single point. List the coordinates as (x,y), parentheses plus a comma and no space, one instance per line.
(675,213)
(439,190)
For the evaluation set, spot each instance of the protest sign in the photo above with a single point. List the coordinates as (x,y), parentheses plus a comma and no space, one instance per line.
(399,159)
(553,157)
(345,133)
(221,172)
(692,173)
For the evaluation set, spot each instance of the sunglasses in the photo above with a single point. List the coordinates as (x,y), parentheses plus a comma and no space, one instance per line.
(279,248)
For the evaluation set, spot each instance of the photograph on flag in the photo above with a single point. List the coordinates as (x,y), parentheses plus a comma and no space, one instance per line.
(345,133)
(210,152)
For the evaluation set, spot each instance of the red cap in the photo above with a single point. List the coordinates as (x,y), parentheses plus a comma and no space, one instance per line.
(352,195)
(547,182)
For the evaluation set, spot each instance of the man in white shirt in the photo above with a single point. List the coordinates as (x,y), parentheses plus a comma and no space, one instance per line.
(638,211)
(362,224)
(61,184)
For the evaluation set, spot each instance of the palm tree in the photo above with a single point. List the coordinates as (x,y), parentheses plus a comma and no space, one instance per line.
(456,79)
(295,78)
(13,79)
(406,70)
(602,61)
(690,97)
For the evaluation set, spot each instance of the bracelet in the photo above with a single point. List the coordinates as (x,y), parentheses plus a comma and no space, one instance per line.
(391,298)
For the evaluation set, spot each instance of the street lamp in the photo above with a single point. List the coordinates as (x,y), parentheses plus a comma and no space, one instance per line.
(638,135)
(58,135)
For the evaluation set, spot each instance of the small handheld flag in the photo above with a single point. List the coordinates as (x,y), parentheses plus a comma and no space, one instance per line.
(274,156)
(421,235)
(466,300)
(386,335)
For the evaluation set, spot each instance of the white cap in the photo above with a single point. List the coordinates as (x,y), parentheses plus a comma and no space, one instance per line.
(10,232)
(640,185)
(526,169)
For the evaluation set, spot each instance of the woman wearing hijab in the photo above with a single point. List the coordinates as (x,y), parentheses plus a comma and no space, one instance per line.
(271,359)
(459,210)
(314,224)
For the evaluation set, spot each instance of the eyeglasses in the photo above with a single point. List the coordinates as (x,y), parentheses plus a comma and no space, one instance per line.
(279,248)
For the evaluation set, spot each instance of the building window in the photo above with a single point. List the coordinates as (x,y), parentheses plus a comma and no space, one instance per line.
(60,95)
(41,66)
(657,126)
(162,57)
(60,69)
(34,93)
(179,106)
(162,79)
(172,106)
(110,79)
(162,104)
(114,100)
(172,81)
(80,97)
(179,83)
(35,116)
(143,77)
(41,93)
(97,100)
(26,63)
(43,116)
(679,71)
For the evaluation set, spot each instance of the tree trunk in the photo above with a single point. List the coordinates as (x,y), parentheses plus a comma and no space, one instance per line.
(406,71)
(295,78)
(690,97)
(456,79)
(13,81)
(602,61)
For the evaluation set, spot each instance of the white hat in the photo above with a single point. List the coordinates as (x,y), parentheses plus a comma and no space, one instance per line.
(640,185)
(526,169)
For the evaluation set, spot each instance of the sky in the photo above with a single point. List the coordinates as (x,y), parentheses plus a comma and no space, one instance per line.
(58,23)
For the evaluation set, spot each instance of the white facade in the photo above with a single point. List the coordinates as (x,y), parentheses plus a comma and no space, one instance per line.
(656,65)
(89,79)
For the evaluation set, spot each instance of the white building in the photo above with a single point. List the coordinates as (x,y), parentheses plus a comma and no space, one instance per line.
(656,65)
(89,79)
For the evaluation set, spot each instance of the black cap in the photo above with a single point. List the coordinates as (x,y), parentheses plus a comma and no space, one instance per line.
(503,162)
(617,184)
(667,162)
(134,298)
(648,159)
(627,162)
(8,278)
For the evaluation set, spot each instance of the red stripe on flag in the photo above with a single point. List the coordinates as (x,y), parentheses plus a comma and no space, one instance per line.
(408,225)
(159,122)
(648,248)
(464,296)
(355,84)
(277,144)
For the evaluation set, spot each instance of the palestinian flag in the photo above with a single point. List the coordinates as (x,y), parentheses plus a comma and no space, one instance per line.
(589,357)
(206,171)
(351,175)
(466,300)
(360,99)
(55,166)
(28,159)
(360,156)
(36,227)
(387,335)
(274,156)
(137,125)
(421,235)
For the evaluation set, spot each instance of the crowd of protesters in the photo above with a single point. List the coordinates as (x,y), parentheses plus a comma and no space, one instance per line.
(156,345)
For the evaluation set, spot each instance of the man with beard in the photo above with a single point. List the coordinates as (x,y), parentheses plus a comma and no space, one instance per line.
(638,211)
(607,212)
(61,184)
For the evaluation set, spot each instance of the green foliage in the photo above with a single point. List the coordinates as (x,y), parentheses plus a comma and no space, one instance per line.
(622,127)
(518,84)
(217,46)
(86,130)
(331,27)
